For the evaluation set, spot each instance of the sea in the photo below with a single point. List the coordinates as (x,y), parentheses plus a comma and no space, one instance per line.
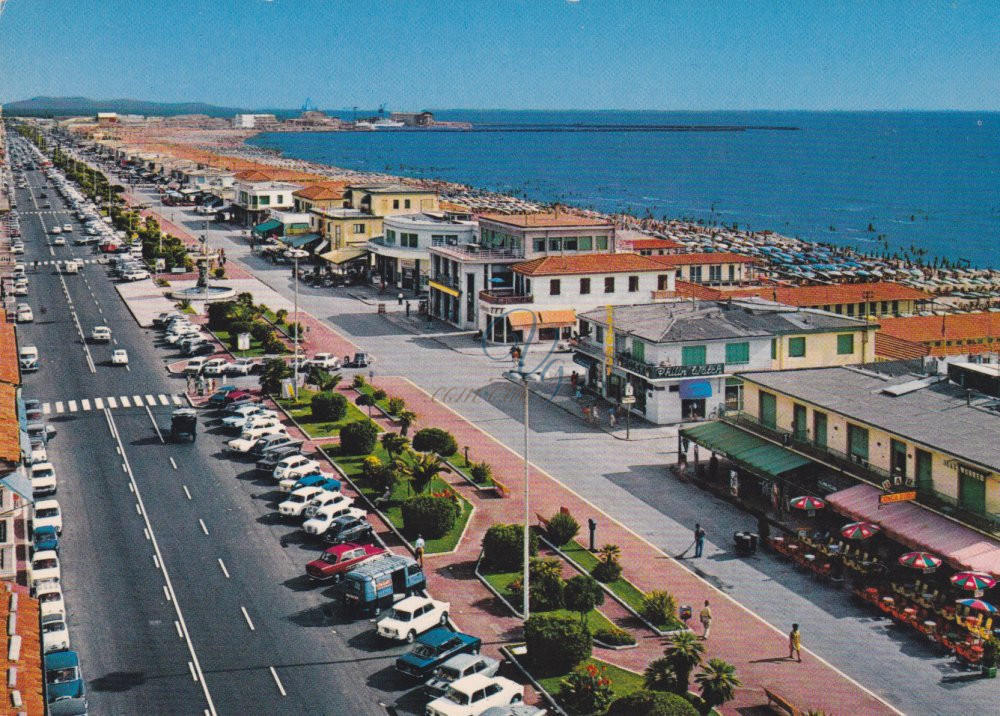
(908,183)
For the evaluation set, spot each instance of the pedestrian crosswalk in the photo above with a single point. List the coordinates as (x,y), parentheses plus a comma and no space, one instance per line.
(61,407)
(55,262)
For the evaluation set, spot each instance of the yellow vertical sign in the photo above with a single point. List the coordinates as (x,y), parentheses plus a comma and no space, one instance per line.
(609,342)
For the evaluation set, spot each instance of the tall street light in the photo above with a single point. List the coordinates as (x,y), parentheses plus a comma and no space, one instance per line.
(523,377)
(296,254)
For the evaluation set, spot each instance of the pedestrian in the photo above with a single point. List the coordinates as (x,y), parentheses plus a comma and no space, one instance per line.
(586,413)
(399,298)
(699,540)
(611,418)
(795,643)
(579,393)
(189,379)
(418,548)
(706,620)
(407,309)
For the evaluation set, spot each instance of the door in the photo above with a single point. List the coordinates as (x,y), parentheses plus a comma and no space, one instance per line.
(971,490)
(897,458)
(800,430)
(819,429)
(768,406)
(925,482)
(857,444)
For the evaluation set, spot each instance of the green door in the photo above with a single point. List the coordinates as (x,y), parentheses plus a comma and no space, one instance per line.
(799,422)
(768,406)
(819,429)
(925,483)
(897,458)
(857,443)
(971,490)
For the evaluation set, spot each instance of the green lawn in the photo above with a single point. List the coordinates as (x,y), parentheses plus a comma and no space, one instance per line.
(367,389)
(623,682)
(458,460)
(302,412)
(625,590)
(394,512)
(255,347)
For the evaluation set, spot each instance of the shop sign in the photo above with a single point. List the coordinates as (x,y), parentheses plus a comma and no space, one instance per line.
(628,400)
(670,371)
(888,499)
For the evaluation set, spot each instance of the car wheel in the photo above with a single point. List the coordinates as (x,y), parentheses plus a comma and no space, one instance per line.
(444,619)
(515,699)
(411,637)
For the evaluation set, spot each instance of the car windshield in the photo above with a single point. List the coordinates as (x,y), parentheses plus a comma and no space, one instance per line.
(330,558)
(49,597)
(61,676)
(401,616)
(45,564)
(423,651)
(46,472)
(47,512)
(53,626)
(458,697)
(298,498)
(449,673)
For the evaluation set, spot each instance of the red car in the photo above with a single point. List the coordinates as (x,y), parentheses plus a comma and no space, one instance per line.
(341,559)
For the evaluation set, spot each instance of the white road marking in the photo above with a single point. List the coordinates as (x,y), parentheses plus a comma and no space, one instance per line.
(130,488)
(127,368)
(223,566)
(155,426)
(203,527)
(176,399)
(124,401)
(177,625)
(85,404)
(59,406)
(138,509)
(166,592)
(46,409)
(281,689)
(193,674)
(163,399)
(173,464)
(247,617)
(145,532)
(156,561)
(150,400)
(124,468)
(71,406)
(137,400)
(112,403)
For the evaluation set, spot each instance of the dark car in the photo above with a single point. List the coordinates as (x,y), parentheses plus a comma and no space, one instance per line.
(433,649)
(349,529)
(200,348)
(46,537)
(216,398)
(271,457)
(360,360)
(273,442)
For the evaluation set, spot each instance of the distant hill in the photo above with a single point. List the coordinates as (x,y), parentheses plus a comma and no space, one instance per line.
(74,106)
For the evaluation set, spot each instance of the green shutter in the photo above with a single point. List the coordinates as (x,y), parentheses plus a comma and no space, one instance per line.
(774,349)
(693,355)
(602,243)
(638,350)
(799,417)
(845,344)
(971,490)
(586,243)
(737,353)
(768,407)
(857,442)
(819,428)
(925,482)
(797,347)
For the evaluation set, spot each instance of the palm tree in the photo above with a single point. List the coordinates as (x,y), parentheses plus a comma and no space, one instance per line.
(420,469)
(660,675)
(718,682)
(242,313)
(609,553)
(394,444)
(406,418)
(324,380)
(684,651)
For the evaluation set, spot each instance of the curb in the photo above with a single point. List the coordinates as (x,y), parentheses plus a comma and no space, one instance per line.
(508,652)
(497,594)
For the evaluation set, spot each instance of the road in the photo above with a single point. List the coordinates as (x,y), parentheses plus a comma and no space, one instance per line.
(184,593)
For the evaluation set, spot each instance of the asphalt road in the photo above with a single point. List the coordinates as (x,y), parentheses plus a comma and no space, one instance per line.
(185,594)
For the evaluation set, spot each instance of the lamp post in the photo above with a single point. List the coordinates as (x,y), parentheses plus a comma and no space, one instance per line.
(296,254)
(522,376)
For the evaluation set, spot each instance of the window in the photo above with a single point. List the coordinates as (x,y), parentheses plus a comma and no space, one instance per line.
(584,328)
(395,203)
(638,350)
(609,284)
(539,245)
(584,286)
(359,228)
(845,344)
(693,355)
(857,443)
(555,244)
(797,347)
(555,287)
(569,244)
(850,309)
(585,243)
(264,200)
(409,240)
(714,273)
(885,307)
(737,353)
(602,243)
(280,199)
(599,334)
(663,282)
(390,236)
(774,349)
(732,273)
(767,405)
(406,203)
(694,274)
(633,284)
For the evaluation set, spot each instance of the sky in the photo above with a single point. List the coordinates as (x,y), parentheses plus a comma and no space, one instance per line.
(513,54)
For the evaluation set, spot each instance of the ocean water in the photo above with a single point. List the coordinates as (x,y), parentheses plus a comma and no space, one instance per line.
(919,181)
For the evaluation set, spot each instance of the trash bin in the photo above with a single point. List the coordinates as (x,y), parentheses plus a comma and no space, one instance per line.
(741,544)
(381,308)
(754,540)
(684,612)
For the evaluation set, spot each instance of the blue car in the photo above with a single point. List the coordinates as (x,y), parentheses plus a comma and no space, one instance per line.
(433,648)
(318,480)
(46,537)
(219,396)
(63,679)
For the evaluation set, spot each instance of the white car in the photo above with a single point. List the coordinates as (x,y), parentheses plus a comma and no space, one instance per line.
(59,241)
(239,423)
(474,695)
(55,230)
(295,466)
(67,228)
(242,412)
(72,266)
(44,567)
(17,248)
(327,497)
(135,274)
(24,314)
(43,479)
(249,438)
(38,452)
(55,634)
(48,514)
(297,501)
(50,600)
(215,366)
(195,365)
(119,357)
(326,361)
(27,357)
(176,333)
(411,617)
(242,366)
(21,288)
(322,519)
(101,334)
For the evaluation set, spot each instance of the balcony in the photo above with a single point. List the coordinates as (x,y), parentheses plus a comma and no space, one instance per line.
(446,279)
(504,297)
(475,252)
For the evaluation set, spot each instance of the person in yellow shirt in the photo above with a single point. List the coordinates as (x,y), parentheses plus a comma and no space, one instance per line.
(795,643)
(706,620)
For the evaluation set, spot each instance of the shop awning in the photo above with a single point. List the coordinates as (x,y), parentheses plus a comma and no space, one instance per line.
(521,319)
(918,528)
(19,482)
(695,389)
(750,451)
(344,255)
(269,225)
(301,240)
(442,288)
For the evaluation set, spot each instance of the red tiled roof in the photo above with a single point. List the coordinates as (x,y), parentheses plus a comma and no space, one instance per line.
(715,257)
(833,295)
(321,192)
(894,348)
(588,263)
(9,372)
(10,428)
(963,329)
(544,220)
(29,662)
(253,175)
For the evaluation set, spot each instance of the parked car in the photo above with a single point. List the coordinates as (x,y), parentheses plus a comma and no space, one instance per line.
(327,497)
(43,479)
(199,348)
(457,667)
(194,366)
(250,414)
(349,529)
(317,479)
(324,361)
(47,513)
(270,458)
(322,520)
(379,582)
(473,695)
(411,617)
(295,466)
(24,314)
(248,438)
(360,360)
(44,567)
(27,357)
(40,431)
(230,399)
(45,538)
(337,561)
(243,366)
(135,274)
(62,676)
(100,334)
(517,709)
(273,442)
(119,356)
(434,648)
(55,634)
(216,366)
(50,600)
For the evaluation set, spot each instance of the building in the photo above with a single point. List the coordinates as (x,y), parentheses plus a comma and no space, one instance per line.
(256,199)
(413,119)
(681,357)
(15,484)
(718,268)
(402,252)
(644,244)
(389,199)
(105,118)
(877,434)
(950,334)
(466,276)
(254,121)
(284,223)
(347,231)
(23,689)
(324,195)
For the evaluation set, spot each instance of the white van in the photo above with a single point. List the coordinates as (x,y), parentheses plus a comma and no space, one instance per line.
(71,267)
(28,358)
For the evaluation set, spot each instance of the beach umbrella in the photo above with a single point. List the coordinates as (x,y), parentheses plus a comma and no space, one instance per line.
(978,604)
(920,560)
(860,530)
(973,581)
(806,502)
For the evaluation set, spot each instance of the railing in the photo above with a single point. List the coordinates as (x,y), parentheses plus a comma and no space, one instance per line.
(504,297)
(466,252)
(447,279)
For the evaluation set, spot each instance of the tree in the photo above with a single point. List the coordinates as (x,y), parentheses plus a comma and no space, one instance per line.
(685,651)
(562,528)
(718,682)
(547,586)
(359,381)
(273,372)
(651,703)
(421,468)
(435,440)
(583,594)
(395,405)
(394,443)
(555,643)
(587,690)
(659,608)
(406,418)
(429,516)
(608,568)
(328,407)
(503,547)
(324,380)
(660,675)
(358,438)
(365,399)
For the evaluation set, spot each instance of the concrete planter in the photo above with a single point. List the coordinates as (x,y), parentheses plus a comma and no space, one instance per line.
(511,653)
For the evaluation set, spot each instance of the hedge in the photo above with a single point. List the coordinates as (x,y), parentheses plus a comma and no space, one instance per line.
(556,644)
(358,438)
(329,406)
(652,703)
(503,547)
(430,517)
(435,440)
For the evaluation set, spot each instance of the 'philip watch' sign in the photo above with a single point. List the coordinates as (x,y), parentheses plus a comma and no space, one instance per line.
(670,371)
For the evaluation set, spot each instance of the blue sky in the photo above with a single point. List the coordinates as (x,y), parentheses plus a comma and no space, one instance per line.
(544,54)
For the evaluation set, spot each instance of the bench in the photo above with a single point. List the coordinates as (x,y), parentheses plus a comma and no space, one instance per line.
(774,699)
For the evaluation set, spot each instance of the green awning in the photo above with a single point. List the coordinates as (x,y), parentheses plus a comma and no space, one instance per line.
(301,240)
(269,225)
(745,449)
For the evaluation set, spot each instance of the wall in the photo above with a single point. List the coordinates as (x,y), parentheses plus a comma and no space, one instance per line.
(821,350)
(571,297)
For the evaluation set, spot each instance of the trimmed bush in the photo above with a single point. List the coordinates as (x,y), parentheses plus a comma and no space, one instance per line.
(606,571)
(358,438)
(562,528)
(329,407)
(503,546)
(556,644)
(614,637)
(280,315)
(548,588)
(218,315)
(395,405)
(259,330)
(651,703)
(481,472)
(583,595)
(379,394)
(431,517)
(586,691)
(659,607)
(359,381)
(435,440)
(272,344)
(370,466)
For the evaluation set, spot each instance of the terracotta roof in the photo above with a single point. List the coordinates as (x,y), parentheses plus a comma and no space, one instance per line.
(643,244)
(832,295)
(321,192)
(953,327)
(253,175)
(29,663)
(544,220)
(10,428)
(715,257)
(588,263)
(894,348)
(9,372)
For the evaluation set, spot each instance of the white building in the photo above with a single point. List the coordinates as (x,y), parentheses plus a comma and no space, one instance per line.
(255,199)
(402,253)
(254,121)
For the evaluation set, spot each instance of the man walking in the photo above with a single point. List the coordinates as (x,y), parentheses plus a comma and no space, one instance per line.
(418,548)
(699,540)
(795,643)
(706,620)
